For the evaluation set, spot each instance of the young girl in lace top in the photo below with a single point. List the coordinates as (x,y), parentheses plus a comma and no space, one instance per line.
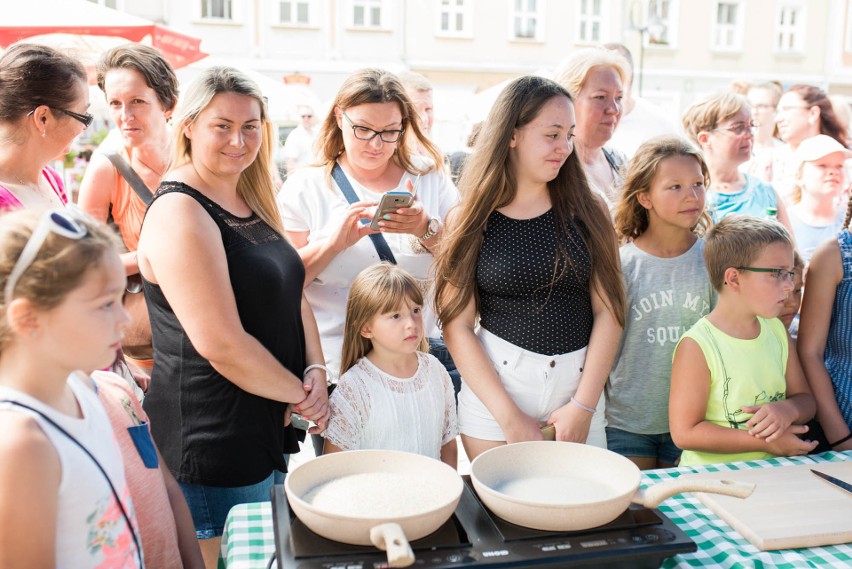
(392,394)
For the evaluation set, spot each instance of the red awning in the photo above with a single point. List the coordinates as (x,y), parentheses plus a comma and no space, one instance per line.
(26,20)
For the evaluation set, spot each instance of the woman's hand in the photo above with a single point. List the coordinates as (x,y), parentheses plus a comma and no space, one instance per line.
(572,423)
(315,405)
(521,427)
(413,220)
(351,230)
(770,420)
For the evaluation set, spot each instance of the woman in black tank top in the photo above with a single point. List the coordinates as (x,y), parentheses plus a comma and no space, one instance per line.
(531,254)
(232,332)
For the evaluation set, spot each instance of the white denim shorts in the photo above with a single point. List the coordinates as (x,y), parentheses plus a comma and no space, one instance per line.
(538,384)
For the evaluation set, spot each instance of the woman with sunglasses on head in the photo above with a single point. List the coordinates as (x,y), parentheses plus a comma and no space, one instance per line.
(44,98)
(235,340)
(141,90)
(64,501)
(365,143)
(721,125)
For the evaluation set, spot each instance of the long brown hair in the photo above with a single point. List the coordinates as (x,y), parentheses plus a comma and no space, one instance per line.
(631,219)
(829,124)
(373,85)
(488,183)
(376,290)
(255,185)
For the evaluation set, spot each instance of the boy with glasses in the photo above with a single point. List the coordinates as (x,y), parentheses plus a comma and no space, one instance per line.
(738,391)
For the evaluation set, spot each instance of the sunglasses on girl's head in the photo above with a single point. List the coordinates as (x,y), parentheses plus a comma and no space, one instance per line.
(58,221)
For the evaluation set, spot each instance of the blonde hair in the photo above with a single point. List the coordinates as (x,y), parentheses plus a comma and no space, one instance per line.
(255,185)
(376,290)
(375,86)
(631,219)
(59,267)
(735,242)
(574,69)
(488,183)
(706,114)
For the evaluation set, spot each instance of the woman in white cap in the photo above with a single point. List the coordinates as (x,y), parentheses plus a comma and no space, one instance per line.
(819,193)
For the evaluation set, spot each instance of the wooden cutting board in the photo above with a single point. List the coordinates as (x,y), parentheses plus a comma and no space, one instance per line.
(790,507)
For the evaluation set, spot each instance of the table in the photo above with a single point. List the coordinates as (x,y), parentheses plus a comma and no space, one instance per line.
(249,542)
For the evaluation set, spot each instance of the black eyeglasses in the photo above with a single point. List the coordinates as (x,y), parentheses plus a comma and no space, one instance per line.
(740,129)
(364,133)
(780,274)
(307,116)
(86,119)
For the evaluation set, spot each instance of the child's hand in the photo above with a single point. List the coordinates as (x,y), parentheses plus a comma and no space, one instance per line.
(770,420)
(788,444)
(315,405)
(521,428)
(571,422)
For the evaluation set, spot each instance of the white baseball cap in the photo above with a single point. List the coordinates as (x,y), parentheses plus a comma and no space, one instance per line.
(819,146)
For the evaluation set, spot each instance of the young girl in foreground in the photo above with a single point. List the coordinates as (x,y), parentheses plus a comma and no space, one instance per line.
(392,393)
(668,290)
(825,335)
(738,391)
(63,497)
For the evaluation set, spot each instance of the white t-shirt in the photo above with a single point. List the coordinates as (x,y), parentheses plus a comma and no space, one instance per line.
(309,204)
(371,409)
(299,146)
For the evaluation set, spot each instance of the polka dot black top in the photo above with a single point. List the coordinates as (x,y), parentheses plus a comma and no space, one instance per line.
(516,298)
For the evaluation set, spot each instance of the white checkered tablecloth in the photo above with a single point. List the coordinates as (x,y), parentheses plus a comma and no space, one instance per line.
(719,545)
(248,541)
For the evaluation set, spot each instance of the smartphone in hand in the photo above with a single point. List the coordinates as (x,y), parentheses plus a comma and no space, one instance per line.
(390,202)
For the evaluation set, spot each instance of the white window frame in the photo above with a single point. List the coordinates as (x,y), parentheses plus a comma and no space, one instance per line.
(540,9)
(736,30)
(236,13)
(602,19)
(119,4)
(670,23)
(453,11)
(384,14)
(799,29)
(311,22)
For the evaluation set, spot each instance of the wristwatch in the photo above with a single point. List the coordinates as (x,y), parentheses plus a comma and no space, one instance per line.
(432,228)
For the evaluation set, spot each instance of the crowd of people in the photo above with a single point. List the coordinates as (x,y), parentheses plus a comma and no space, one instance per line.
(680,300)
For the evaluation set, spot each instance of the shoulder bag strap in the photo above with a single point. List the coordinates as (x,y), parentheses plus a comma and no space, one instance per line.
(115,495)
(130,175)
(382,247)
(610,157)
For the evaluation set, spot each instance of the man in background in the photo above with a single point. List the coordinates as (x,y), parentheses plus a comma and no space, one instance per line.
(419,90)
(299,146)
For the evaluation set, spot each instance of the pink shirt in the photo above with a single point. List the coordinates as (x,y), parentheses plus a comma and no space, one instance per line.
(8,201)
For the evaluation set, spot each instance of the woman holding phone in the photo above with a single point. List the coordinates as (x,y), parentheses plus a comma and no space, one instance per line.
(365,143)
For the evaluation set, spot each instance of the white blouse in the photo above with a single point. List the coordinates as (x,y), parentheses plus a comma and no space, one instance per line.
(373,410)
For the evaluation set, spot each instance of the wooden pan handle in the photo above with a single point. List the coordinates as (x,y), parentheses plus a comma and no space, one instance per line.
(390,537)
(655,494)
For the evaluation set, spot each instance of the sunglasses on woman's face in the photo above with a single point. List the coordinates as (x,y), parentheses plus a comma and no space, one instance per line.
(58,221)
(85,119)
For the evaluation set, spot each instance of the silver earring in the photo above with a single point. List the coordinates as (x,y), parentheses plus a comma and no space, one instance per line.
(44,133)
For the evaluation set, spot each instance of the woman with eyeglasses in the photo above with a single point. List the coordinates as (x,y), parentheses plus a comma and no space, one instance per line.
(44,99)
(804,111)
(365,143)
(763,99)
(141,90)
(721,125)
(595,78)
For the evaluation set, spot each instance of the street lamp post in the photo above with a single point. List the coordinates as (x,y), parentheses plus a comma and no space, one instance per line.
(644,24)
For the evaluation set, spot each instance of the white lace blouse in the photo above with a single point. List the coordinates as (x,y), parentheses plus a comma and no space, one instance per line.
(373,410)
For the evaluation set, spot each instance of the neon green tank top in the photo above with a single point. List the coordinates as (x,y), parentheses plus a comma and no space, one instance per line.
(742,373)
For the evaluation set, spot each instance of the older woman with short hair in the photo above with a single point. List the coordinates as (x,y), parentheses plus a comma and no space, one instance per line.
(595,78)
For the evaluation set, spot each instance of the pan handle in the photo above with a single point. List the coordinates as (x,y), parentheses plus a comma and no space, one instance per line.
(390,537)
(655,494)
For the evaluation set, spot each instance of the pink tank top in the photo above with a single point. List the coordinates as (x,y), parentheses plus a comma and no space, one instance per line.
(8,201)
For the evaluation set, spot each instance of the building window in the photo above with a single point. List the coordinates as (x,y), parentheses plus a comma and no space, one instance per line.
(666,13)
(728,25)
(454,18)
(293,13)
(591,21)
(367,13)
(790,27)
(217,10)
(526,20)
(114,4)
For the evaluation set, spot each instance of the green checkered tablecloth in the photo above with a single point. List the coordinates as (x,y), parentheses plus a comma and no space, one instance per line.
(248,541)
(719,545)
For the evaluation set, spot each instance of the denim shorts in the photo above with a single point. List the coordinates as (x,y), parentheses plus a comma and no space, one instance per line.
(660,447)
(210,505)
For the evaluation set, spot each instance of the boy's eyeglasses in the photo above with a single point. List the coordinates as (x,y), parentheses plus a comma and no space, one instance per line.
(365,133)
(86,119)
(739,129)
(780,274)
(55,220)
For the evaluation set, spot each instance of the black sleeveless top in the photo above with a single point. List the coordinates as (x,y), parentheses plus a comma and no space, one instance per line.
(517,301)
(210,431)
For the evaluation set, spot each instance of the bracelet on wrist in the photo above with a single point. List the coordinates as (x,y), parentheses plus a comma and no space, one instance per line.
(328,375)
(841,441)
(586,408)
